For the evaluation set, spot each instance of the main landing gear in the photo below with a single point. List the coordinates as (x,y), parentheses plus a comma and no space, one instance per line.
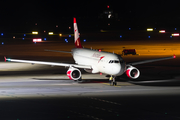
(112,81)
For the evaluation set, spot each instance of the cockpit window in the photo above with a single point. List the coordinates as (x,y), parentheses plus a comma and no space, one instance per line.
(114,61)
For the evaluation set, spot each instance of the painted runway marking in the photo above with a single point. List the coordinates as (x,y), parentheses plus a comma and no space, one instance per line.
(101,100)
(61,84)
(89,116)
(110,85)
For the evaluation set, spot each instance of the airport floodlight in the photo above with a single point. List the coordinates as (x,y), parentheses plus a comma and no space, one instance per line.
(50,33)
(175,34)
(149,29)
(162,31)
(34,32)
(37,40)
(60,34)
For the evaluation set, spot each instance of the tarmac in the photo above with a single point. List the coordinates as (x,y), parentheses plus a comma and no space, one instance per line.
(44,92)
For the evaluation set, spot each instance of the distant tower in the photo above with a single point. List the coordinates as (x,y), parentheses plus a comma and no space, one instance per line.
(108,14)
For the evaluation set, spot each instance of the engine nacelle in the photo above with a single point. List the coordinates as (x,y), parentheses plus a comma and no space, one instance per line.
(88,70)
(93,70)
(132,72)
(74,73)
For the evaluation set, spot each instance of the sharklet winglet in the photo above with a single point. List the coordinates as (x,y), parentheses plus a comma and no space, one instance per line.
(5,58)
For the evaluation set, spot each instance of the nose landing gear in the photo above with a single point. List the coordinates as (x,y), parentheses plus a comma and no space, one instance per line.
(112,81)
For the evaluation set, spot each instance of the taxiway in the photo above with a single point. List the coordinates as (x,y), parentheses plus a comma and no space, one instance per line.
(44,92)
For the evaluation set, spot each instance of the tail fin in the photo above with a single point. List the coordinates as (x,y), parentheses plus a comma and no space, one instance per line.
(76,35)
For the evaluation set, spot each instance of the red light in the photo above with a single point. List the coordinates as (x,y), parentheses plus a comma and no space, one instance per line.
(174,56)
(99,50)
(107,6)
(100,73)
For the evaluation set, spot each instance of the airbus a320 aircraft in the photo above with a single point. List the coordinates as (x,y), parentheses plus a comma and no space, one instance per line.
(94,61)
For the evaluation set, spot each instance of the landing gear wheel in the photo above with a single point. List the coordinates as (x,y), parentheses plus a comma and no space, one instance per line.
(114,83)
(110,82)
(80,80)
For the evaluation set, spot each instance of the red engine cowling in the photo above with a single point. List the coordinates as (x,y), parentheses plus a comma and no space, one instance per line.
(74,73)
(132,72)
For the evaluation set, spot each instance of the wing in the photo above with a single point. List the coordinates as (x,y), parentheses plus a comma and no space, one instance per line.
(152,60)
(48,63)
(57,51)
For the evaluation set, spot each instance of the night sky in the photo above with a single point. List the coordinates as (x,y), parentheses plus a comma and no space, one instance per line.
(23,14)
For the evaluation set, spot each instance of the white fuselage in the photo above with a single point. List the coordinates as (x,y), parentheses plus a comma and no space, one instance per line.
(100,61)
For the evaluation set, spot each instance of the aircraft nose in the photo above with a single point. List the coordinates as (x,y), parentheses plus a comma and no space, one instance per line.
(116,69)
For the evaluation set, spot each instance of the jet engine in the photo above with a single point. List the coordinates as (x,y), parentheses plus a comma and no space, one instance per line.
(93,70)
(132,72)
(74,73)
(88,70)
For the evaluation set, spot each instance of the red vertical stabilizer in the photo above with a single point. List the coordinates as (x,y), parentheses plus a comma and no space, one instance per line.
(76,35)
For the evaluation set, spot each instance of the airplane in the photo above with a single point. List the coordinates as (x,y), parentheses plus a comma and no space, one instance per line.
(94,61)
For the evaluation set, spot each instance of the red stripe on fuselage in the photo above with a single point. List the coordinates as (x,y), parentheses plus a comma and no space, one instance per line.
(101,58)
